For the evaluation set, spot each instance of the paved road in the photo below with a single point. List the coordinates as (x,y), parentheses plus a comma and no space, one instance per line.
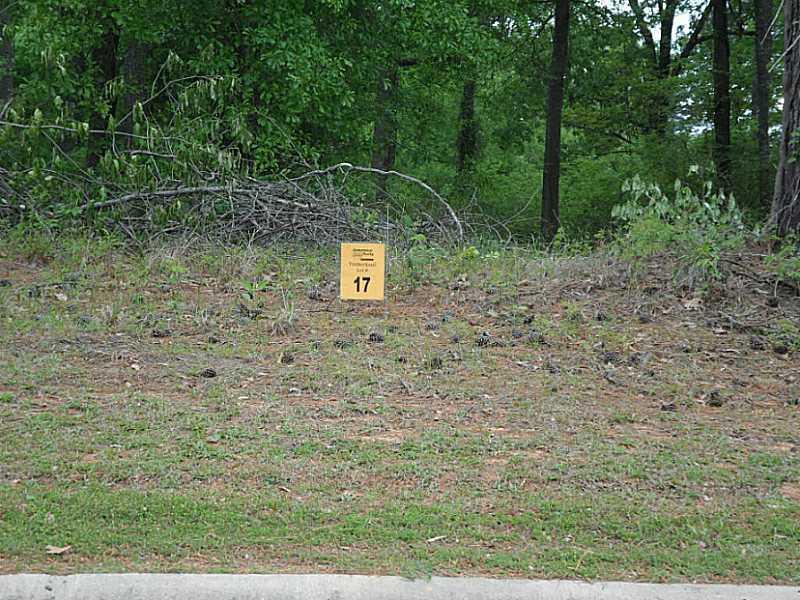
(359,587)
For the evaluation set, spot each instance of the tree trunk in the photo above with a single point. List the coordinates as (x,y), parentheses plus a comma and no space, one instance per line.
(664,66)
(134,74)
(555,106)
(467,150)
(660,58)
(384,132)
(761,96)
(6,55)
(786,202)
(722,94)
(663,101)
(104,59)
(665,39)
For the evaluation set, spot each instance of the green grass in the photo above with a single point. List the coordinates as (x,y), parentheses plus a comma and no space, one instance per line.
(561,536)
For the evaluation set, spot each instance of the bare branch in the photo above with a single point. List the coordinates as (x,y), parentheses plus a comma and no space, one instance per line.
(694,39)
(419,182)
(187,191)
(644,30)
(309,207)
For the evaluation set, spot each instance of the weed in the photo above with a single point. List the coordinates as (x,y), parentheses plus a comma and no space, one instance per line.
(621,418)
(785,333)
(697,227)
(286,319)
(785,263)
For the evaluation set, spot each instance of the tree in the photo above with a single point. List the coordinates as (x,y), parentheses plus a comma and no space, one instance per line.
(555,106)
(417,40)
(467,146)
(786,202)
(468,126)
(6,54)
(384,131)
(722,93)
(659,56)
(761,95)
(134,75)
(436,88)
(104,61)
(664,66)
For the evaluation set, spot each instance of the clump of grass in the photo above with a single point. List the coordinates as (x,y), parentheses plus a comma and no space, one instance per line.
(621,417)
(785,335)
(286,319)
(110,315)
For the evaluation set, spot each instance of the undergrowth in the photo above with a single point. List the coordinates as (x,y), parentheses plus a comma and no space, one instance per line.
(699,229)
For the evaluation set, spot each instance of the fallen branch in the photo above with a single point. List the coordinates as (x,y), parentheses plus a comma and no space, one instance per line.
(344,167)
(186,191)
(308,207)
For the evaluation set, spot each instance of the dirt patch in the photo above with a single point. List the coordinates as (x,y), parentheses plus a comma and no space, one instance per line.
(784,447)
(791,491)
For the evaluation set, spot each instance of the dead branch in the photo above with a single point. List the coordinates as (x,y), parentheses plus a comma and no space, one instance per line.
(349,167)
(190,191)
(308,207)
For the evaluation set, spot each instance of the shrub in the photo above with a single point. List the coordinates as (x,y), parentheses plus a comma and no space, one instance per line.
(785,262)
(697,228)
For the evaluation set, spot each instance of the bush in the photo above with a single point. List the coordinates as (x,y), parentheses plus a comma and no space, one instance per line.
(785,262)
(697,228)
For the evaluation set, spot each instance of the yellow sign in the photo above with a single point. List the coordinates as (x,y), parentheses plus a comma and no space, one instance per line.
(363,271)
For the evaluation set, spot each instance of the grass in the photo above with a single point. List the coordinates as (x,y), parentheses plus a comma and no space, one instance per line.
(545,452)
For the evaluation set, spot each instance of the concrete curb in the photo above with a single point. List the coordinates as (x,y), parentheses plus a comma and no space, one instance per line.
(359,587)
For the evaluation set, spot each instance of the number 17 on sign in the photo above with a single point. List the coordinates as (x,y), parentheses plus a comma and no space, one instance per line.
(363,268)
(358,281)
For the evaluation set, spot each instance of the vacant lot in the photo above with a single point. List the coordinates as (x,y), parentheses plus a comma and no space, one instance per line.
(221,410)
